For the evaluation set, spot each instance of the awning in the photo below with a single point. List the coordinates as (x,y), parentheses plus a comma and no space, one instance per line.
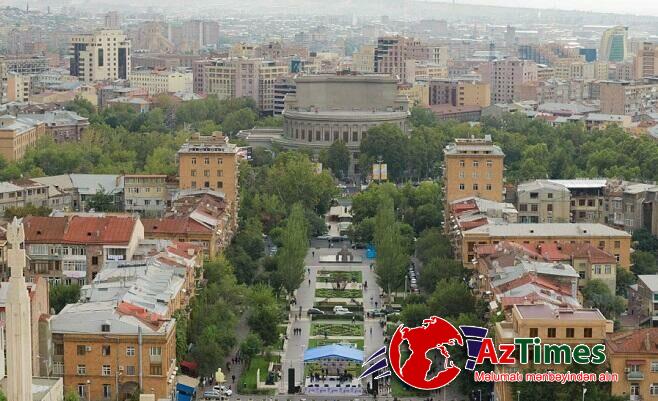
(189,365)
(635,362)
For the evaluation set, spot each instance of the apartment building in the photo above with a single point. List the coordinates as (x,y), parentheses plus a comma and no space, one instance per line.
(156,82)
(363,60)
(613,241)
(99,56)
(646,60)
(283,86)
(17,135)
(614,44)
(421,70)
(507,77)
(202,217)
(244,77)
(473,167)
(392,53)
(587,198)
(73,249)
(146,194)
(553,325)
(18,87)
(104,350)
(543,201)
(459,93)
(643,299)
(61,125)
(634,356)
(210,162)
(628,98)
(573,68)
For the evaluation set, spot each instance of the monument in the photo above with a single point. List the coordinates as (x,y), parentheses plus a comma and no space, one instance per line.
(19,347)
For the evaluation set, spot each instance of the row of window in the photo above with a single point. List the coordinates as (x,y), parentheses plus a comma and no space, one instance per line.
(206,173)
(476,187)
(476,163)
(106,350)
(106,370)
(570,332)
(206,184)
(206,160)
(475,174)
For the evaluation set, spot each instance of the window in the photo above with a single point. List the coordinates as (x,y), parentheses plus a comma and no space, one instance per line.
(81,390)
(571,332)
(552,332)
(489,163)
(220,184)
(156,370)
(534,195)
(105,351)
(462,163)
(206,173)
(590,202)
(194,160)
(155,351)
(534,332)
(601,244)
(523,207)
(130,350)
(587,333)
(475,187)
(534,207)
(617,244)
(206,160)
(130,370)
(476,163)
(654,389)
(220,173)
(59,349)
(461,175)
(107,391)
(106,370)
(81,349)
(82,370)
(608,269)
(550,195)
(193,173)
(488,186)
(220,160)
(654,366)
(581,202)
(549,207)
(462,187)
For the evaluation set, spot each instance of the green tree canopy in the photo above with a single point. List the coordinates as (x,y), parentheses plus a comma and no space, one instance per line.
(392,260)
(290,258)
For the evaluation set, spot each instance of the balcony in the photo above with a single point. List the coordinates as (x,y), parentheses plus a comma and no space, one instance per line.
(634,376)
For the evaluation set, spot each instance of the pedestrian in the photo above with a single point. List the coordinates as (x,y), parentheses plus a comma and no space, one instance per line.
(313,254)
(375,304)
(308,270)
(233,378)
(309,282)
(300,309)
(371,331)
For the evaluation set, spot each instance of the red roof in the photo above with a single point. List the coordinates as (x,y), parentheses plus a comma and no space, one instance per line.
(636,341)
(173,225)
(150,318)
(79,230)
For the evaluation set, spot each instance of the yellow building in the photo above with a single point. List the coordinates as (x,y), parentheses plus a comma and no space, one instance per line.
(634,356)
(156,82)
(460,93)
(210,162)
(473,167)
(17,135)
(418,93)
(616,242)
(554,326)
(102,55)
(18,87)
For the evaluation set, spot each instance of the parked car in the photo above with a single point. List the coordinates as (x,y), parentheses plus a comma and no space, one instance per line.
(314,311)
(212,395)
(378,313)
(342,311)
(228,392)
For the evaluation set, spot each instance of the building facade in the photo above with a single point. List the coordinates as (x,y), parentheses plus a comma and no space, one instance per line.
(459,93)
(17,135)
(156,82)
(146,194)
(102,55)
(614,44)
(473,167)
(542,201)
(508,76)
(633,355)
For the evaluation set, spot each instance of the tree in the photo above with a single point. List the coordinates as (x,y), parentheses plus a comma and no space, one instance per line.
(70,396)
(264,314)
(624,279)
(27,210)
(413,314)
(433,244)
(439,269)
(61,295)
(101,201)
(645,241)
(212,346)
(392,261)
(181,334)
(644,263)
(251,346)
(81,106)
(238,120)
(338,159)
(422,117)
(451,298)
(596,294)
(290,258)
(388,142)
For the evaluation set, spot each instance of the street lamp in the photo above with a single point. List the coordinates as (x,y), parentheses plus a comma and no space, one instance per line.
(480,393)
(518,395)
(584,391)
(88,389)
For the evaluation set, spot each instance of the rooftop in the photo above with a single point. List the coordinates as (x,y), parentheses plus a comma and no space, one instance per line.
(544,311)
(581,183)
(473,146)
(548,229)
(79,229)
(650,280)
(635,341)
(333,351)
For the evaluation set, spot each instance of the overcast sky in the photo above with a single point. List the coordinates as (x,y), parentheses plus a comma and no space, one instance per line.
(647,7)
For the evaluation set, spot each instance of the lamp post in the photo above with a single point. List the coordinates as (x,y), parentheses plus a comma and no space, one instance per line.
(480,394)
(518,395)
(584,391)
(88,390)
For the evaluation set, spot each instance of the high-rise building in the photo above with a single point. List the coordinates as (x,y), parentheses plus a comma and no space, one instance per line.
(102,55)
(631,98)
(459,93)
(614,44)
(210,162)
(646,61)
(363,61)
(18,87)
(282,87)
(507,77)
(392,52)
(112,20)
(244,77)
(473,167)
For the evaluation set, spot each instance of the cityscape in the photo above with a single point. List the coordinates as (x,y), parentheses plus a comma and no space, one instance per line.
(306,200)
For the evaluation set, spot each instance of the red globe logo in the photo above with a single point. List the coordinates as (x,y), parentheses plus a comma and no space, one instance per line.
(435,333)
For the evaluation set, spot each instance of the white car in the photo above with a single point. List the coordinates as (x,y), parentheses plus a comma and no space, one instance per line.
(341,310)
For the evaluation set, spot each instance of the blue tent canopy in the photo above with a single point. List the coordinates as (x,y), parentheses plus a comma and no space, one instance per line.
(333,351)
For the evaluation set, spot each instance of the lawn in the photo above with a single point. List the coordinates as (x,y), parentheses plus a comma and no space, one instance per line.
(318,342)
(338,330)
(332,293)
(248,378)
(329,276)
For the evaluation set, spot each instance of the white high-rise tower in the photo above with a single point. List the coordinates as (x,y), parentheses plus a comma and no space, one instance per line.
(19,346)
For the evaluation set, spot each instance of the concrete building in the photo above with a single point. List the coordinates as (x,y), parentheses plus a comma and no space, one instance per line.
(543,201)
(634,356)
(75,248)
(105,350)
(17,135)
(146,194)
(614,44)
(421,70)
(459,93)
(327,108)
(628,98)
(643,301)
(646,60)
(61,125)
(99,56)
(71,192)
(473,167)
(21,193)
(156,82)
(18,87)
(25,65)
(392,53)
(507,77)
(210,163)
(363,60)
(587,199)
(244,77)
(282,87)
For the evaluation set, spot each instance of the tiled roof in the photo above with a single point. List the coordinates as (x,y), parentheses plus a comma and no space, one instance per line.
(173,225)
(636,341)
(79,229)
